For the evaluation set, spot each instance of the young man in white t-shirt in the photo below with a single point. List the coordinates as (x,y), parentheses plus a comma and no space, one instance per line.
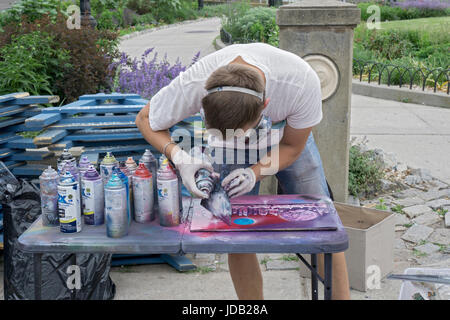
(240,88)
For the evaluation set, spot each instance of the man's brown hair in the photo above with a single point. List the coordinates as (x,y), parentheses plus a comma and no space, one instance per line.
(229,109)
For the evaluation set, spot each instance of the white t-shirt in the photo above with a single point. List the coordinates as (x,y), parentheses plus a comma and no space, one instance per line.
(291,84)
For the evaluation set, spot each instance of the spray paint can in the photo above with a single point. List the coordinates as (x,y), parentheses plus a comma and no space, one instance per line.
(116,215)
(168,196)
(83,165)
(65,157)
(69,209)
(72,168)
(48,182)
(126,183)
(131,165)
(152,165)
(108,162)
(143,195)
(92,197)
(127,173)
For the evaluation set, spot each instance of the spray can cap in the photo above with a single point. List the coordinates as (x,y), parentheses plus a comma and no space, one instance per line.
(114,182)
(84,162)
(49,173)
(109,159)
(91,173)
(142,171)
(66,155)
(148,154)
(123,167)
(130,161)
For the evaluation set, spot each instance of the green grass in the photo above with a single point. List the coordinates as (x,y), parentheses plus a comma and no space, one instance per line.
(289,258)
(436,24)
(398,209)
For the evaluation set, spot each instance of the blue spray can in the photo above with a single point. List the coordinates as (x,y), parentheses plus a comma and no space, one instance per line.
(116,215)
(126,183)
(69,208)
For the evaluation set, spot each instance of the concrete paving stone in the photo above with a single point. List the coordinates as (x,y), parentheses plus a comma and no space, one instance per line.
(428,248)
(447,219)
(399,244)
(413,179)
(438,203)
(416,210)
(401,219)
(408,202)
(431,258)
(417,233)
(282,265)
(408,193)
(428,218)
(423,173)
(434,194)
(441,236)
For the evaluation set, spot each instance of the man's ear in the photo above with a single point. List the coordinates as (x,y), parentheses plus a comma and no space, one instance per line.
(266,103)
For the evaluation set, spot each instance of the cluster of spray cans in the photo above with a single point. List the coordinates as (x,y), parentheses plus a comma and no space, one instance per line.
(121,192)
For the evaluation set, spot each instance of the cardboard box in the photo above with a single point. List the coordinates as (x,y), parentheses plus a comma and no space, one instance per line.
(371,235)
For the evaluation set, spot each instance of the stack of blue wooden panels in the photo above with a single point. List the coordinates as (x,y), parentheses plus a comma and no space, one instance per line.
(99,123)
(15,109)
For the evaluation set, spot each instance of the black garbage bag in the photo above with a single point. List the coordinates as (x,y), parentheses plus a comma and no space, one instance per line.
(21,207)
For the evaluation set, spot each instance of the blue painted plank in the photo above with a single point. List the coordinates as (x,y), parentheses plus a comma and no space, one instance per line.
(10,110)
(181,263)
(112,143)
(136,101)
(97,119)
(18,128)
(12,164)
(123,261)
(29,170)
(60,145)
(42,120)
(49,137)
(113,148)
(110,96)
(21,143)
(105,135)
(105,108)
(31,156)
(5,137)
(30,112)
(10,122)
(4,152)
(33,100)
(13,96)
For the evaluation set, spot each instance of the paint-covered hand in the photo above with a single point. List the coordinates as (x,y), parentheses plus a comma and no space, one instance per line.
(188,166)
(239,182)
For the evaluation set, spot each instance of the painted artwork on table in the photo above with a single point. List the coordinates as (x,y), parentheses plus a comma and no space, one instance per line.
(271,213)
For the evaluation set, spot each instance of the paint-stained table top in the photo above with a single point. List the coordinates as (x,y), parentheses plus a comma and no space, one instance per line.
(152,238)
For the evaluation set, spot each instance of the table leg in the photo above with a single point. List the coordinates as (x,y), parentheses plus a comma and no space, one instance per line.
(314,280)
(37,265)
(328,276)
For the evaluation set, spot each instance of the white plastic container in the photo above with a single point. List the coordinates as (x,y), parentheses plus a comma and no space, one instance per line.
(408,289)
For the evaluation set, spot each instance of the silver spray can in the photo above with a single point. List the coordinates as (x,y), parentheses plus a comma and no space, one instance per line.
(131,165)
(152,165)
(116,215)
(69,208)
(83,165)
(143,195)
(123,168)
(93,202)
(65,157)
(168,198)
(48,182)
(108,162)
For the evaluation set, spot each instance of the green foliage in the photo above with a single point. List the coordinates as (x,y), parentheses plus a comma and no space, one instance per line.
(364,172)
(34,9)
(381,205)
(89,52)
(31,63)
(398,209)
(255,25)
(388,13)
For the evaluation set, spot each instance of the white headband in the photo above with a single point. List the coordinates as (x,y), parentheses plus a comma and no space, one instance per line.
(238,89)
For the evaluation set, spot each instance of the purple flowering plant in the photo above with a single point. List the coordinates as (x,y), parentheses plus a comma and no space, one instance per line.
(423,4)
(145,77)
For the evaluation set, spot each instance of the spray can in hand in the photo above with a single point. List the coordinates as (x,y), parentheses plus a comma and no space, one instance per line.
(143,195)
(48,182)
(93,202)
(168,195)
(116,215)
(69,208)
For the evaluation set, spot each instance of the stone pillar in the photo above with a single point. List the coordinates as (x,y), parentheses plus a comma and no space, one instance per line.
(321,32)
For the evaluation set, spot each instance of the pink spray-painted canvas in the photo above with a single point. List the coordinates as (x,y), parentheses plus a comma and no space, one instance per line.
(271,213)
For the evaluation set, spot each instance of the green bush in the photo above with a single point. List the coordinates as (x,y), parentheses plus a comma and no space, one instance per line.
(365,172)
(391,13)
(90,52)
(32,63)
(256,25)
